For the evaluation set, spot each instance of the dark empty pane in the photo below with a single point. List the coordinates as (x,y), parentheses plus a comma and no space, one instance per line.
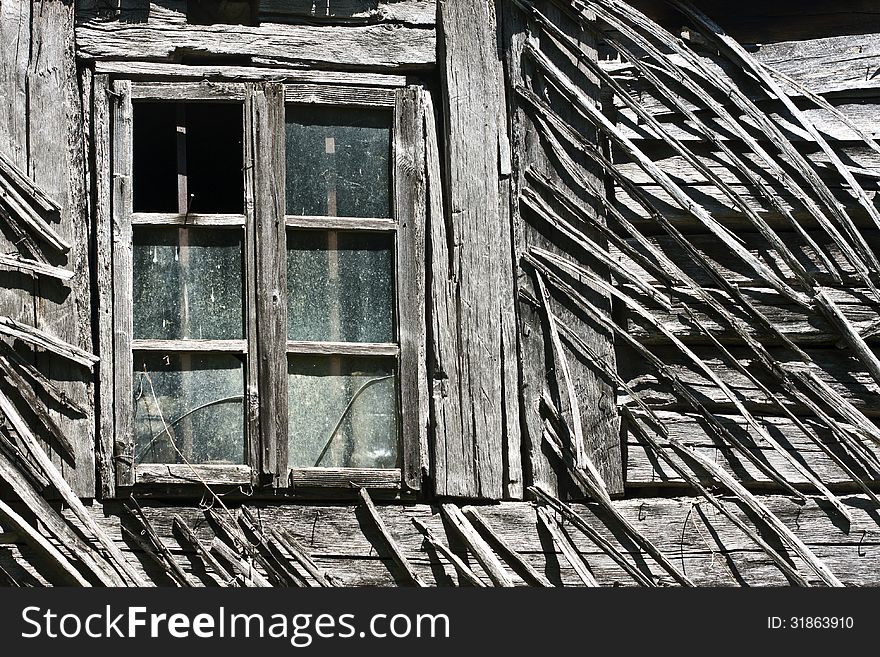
(338,162)
(188,406)
(187,283)
(342,412)
(214,158)
(209,135)
(340,286)
(155,157)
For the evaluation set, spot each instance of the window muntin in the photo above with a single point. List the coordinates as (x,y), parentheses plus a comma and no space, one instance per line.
(353,368)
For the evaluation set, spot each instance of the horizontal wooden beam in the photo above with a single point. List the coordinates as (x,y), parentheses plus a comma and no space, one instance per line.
(712,550)
(364,47)
(165,71)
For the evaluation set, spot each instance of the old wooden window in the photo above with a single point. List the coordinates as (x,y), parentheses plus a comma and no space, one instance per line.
(262,334)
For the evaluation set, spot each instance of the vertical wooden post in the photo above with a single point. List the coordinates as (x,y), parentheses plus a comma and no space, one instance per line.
(475,361)
(265,121)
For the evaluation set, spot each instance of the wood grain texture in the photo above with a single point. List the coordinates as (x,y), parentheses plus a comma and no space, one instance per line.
(378,47)
(57,165)
(470,359)
(410,207)
(165,71)
(411,12)
(122,167)
(264,108)
(539,372)
(708,546)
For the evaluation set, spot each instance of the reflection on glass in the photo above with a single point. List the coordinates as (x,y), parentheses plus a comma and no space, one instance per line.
(187,284)
(338,161)
(342,412)
(339,286)
(188,406)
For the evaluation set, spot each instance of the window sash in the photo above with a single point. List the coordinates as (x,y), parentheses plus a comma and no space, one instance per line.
(265,267)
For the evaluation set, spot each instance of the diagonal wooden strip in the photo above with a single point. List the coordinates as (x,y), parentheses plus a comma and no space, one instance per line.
(38,338)
(396,553)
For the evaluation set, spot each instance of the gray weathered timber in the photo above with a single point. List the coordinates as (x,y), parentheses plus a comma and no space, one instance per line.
(388,539)
(373,46)
(122,168)
(177,473)
(595,397)
(166,71)
(264,109)
(57,165)
(344,478)
(712,550)
(411,12)
(475,543)
(410,207)
(836,370)
(478,299)
(644,469)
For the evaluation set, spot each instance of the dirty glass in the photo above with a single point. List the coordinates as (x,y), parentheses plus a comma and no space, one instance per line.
(338,161)
(340,286)
(188,405)
(342,412)
(187,283)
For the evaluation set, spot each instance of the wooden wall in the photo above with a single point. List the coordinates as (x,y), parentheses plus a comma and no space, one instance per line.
(836,56)
(42,133)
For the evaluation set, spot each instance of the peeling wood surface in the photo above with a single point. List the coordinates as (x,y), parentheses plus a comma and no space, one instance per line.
(373,46)
(696,537)
(477,304)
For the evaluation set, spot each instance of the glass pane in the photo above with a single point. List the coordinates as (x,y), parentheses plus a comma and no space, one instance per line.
(338,161)
(189,404)
(342,412)
(340,286)
(187,283)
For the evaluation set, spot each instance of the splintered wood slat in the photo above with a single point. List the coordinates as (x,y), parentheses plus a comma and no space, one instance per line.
(246,570)
(534,155)
(522,567)
(464,572)
(293,547)
(56,560)
(223,576)
(564,545)
(395,552)
(474,305)
(476,545)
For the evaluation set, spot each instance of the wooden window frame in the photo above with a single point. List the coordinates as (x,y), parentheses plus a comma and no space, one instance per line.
(264,226)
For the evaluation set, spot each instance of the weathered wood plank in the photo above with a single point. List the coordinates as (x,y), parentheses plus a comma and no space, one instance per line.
(713,551)
(265,120)
(163,71)
(372,46)
(644,468)
(122,167)
(471,438)
(411,12)
(57,164)
(594,396)
(839,371)
(410,191)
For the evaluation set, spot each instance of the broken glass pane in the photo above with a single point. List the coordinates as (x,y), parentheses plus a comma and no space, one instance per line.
(188,406)
(187,283)
(340,286)
(199,143)
(342,412)
(338,161)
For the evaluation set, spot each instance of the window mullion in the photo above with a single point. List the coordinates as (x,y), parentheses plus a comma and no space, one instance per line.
(122,282)
(265,134)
